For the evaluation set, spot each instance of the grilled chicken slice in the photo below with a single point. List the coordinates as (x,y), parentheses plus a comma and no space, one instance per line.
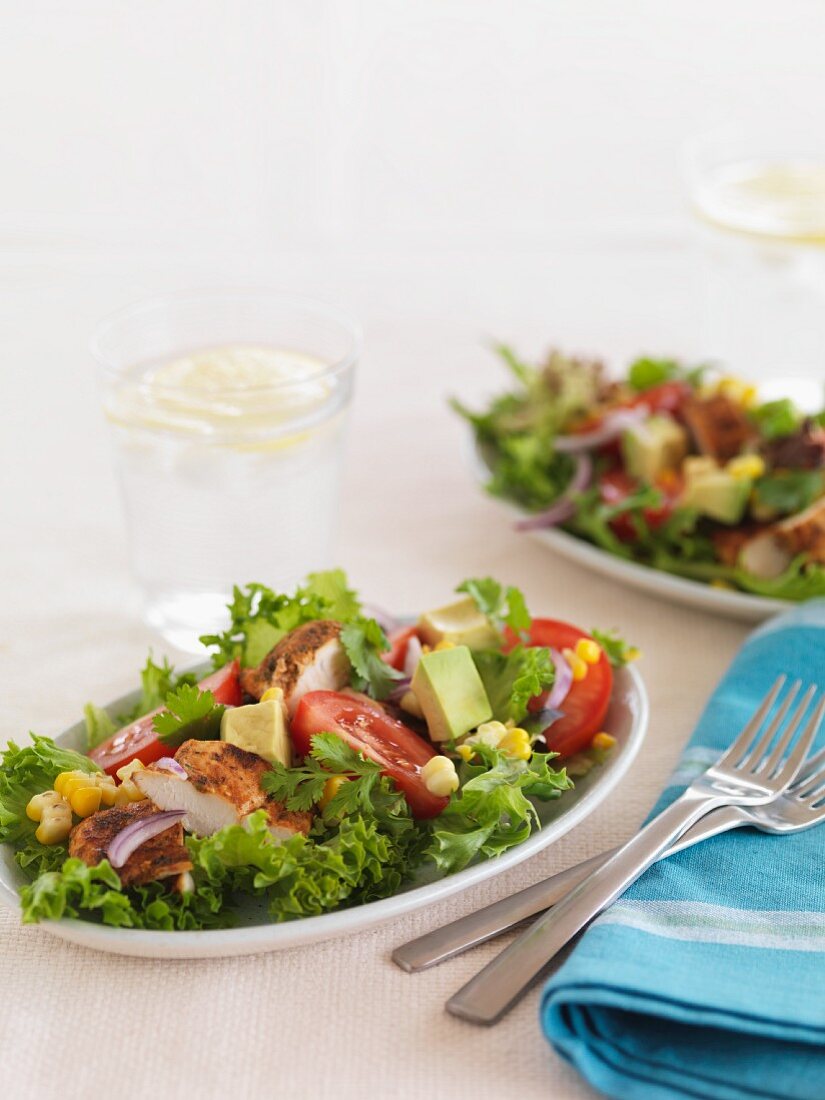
(223,787)
(718,425)
(163,856)
(309,658)
(804,533)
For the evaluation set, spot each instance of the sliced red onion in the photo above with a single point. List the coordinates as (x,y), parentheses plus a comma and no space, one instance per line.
(170,764)
(562,683)
(564,508)
(130,838)
(413,655)
(611,427)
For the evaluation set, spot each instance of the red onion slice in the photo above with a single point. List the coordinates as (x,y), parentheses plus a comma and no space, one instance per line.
(564,508)
(413,655)
(130,838)
(170,764)
(611,427)
(562,683)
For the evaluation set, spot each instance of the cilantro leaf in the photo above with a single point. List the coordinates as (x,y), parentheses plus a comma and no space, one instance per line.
(645,373)
(190,713)
(364,641)
(617,650)
(492,811)
(512,679)
(260,617)
(788,491)
(499,604)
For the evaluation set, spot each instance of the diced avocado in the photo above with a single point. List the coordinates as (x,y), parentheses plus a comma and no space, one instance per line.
(657,444)
(450,693)
(460,623)
(696,465)
(260,728)
(717,495)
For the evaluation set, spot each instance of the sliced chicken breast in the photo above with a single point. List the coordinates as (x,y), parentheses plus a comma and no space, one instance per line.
(163,856)
(224,787)
(309,658)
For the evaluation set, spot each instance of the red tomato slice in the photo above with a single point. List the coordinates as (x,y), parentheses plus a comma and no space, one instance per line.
(399,641)
(367,728)
(139,741)
(587,701)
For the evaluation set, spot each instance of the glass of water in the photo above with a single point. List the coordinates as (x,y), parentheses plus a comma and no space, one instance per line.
(227,412)
(760,199)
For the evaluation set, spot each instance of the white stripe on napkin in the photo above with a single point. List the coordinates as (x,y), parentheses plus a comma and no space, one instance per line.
(695,760)
(700,921)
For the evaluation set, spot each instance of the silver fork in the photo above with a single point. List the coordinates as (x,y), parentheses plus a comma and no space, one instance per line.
(751,772)
(800,807)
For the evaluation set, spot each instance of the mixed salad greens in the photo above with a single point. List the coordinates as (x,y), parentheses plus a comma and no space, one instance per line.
(327,759)
(679,468)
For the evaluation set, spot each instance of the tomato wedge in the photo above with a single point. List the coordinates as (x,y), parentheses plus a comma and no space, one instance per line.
(586,704)
(399,640)
(139,740)
(366,727)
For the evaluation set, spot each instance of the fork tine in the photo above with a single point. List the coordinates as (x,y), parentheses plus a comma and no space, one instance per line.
(758,750)
(768,767)
(741,746)
(810,781)
(810,770)
(788,772)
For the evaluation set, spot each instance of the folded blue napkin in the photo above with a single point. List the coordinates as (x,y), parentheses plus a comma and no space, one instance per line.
(707,977)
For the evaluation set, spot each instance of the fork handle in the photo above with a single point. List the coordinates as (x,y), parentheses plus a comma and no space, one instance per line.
(484,924)
(487,996)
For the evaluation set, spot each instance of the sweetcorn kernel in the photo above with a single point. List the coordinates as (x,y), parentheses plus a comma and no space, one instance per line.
(516,743)
(273,693)
(443,644)
(331,789)
(577,666)
(465,752)
(589,650)
(39,804)
(85,800)
(128,770)
(632,653)
(440,777)
(603,741)
(746,467)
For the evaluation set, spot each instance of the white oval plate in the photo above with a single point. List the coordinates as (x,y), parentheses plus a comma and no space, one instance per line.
(738,605)
(627,720)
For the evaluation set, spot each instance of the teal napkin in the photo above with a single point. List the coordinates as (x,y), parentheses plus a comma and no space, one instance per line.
(707,977)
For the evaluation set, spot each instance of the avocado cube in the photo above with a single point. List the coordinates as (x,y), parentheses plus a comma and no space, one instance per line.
(718,495)
(460,623)
(655,445)
(450,693)
(260,728)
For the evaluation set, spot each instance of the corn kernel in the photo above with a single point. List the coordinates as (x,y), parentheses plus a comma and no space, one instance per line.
(331,789)
(603,741)
(589,650)
(273,693)
(85,800)
(488,733)
(516,743)
(128,770)
(577,666)
(80,781)
(55,828)
(632,653)
(108,794)
(40,803)
(128,792)
(466,753)
(443,644)
(440,777)
(746,467)
(717,582)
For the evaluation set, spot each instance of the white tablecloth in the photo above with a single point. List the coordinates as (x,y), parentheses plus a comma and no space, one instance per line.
(336,1020)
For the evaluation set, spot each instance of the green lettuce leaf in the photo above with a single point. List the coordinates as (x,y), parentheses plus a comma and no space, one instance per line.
(512,679)
(99,726)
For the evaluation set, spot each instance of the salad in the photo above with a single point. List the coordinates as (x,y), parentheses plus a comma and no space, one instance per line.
(327,758)
(679,468)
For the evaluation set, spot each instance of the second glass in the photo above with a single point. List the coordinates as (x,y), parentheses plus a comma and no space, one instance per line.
(228,412)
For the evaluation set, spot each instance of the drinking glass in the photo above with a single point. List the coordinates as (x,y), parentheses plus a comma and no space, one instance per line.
(227,412)
(760,200)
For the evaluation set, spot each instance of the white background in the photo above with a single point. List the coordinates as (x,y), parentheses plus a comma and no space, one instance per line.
(449,172)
